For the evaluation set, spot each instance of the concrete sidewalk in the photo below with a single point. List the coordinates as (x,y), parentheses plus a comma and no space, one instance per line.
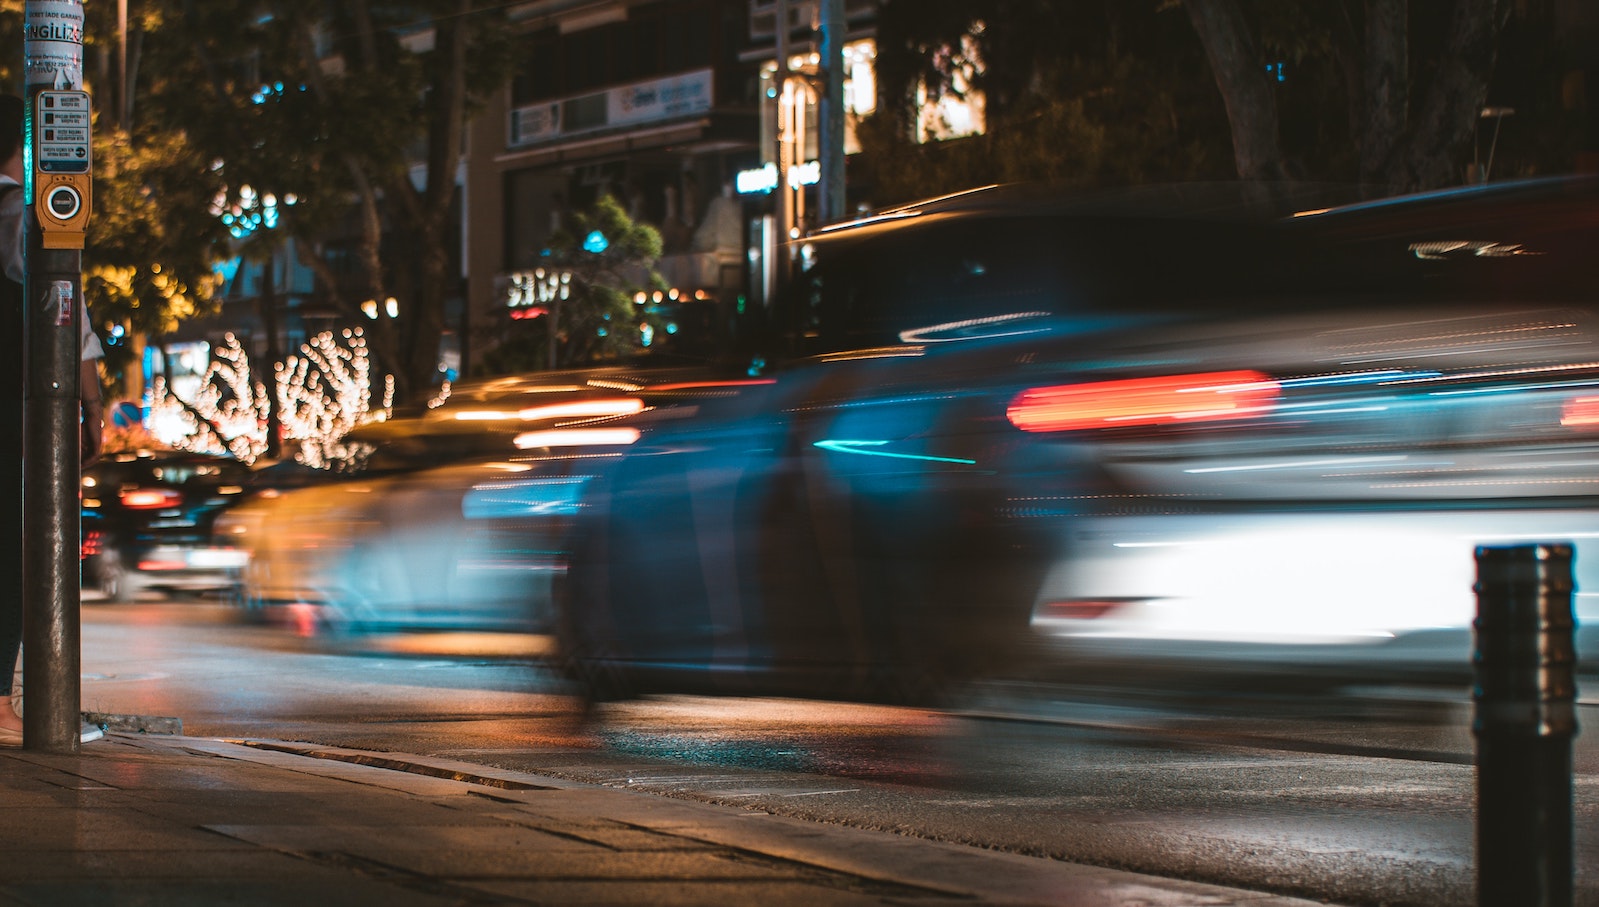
(172,820)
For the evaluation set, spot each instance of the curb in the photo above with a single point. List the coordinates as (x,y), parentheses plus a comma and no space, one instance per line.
(134,724)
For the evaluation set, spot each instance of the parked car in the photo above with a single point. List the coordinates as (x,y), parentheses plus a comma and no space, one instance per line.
(147,519)
(979,408)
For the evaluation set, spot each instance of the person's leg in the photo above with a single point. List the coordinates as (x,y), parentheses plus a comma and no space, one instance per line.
(11,375)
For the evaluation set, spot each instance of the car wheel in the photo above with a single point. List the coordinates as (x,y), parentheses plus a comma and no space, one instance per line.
(111,577)
(579,658)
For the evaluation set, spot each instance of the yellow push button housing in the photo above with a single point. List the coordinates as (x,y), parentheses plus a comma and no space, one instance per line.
(61,162)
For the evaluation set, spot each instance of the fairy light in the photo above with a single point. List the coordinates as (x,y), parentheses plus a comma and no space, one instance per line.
(322,394)
(441,396)
(226,415)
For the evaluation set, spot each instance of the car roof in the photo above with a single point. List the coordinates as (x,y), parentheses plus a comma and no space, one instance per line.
(1328,206)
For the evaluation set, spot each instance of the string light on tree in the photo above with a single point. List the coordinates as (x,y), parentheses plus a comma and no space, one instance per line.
(322,394)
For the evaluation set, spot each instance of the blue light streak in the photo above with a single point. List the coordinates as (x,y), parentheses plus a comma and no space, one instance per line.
(861,447)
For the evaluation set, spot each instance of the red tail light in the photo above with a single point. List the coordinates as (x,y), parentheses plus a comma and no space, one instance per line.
(150,498)
(153,566)
(1200,397)
(1083,608)
(1580,412)
(93,543)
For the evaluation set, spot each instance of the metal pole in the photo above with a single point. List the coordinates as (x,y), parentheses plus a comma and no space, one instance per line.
(1525,720)
(53,59)
(782,197)
(831,195)
(1492,147)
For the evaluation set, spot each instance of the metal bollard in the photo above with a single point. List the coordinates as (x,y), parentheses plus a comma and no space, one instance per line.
(1525,719)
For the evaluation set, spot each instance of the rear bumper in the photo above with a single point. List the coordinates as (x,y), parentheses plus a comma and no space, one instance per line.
(190,569)
(1368,590)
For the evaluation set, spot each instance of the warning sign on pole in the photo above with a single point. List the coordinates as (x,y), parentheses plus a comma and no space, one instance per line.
(53,43)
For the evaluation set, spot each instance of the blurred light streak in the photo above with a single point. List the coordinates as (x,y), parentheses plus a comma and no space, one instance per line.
(864,448)
(911,210)
(885,352)
(583,409)
(627,386)
(697,385)
(474,643)
(1516,389)
(1144,401)
(961,329)
(576,437)
(1298,464)
(1440,249)
(514,498)
(1580,412)
(1381,376)
(1314,409)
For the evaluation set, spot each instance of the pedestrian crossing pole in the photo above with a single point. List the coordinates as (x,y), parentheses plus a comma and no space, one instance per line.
(57,167)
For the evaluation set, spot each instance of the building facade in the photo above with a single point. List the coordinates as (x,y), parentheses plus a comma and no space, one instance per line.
(671,107)
(649,102)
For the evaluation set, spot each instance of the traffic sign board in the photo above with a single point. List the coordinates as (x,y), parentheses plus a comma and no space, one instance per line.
(61,132)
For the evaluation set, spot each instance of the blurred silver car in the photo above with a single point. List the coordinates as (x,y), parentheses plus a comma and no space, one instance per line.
(1304,488)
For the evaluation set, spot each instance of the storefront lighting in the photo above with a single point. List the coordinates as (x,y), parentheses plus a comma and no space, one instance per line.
(764,179)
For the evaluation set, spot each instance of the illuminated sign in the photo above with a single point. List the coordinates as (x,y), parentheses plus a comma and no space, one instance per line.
(535,290)
(764,179)
(657,100)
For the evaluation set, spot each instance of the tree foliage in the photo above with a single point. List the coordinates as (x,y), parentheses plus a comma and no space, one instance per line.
(1094,92)
(151,247)
(592,274)
(1079,92)
(1413,75)
(331,104)
(150,255)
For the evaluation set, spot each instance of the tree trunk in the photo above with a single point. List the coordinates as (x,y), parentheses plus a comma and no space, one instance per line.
(368,251)
(1236,63)
(446,113)
(1430,157)
(267,309)
(1385,85)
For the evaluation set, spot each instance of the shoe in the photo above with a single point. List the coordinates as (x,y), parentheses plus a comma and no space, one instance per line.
(10,737)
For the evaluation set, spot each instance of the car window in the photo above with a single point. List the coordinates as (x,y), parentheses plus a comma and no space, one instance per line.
(176,472)
(962,276)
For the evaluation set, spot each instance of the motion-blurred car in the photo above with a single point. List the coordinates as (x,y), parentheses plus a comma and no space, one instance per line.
(1006,417)
(454,518)
(1301,490)
(147,520)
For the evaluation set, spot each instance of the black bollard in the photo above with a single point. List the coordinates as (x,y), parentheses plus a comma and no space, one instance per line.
(1525,694)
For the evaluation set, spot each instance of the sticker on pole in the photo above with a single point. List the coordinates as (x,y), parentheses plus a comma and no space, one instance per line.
(52,43)
(61,132)
(61,292)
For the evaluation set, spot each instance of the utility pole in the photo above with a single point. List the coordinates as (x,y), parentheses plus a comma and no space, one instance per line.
(782,195)
(124,103)
(830,201)
(56,190)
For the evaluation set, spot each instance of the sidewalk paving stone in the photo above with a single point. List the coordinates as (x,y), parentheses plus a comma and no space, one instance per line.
(153,819)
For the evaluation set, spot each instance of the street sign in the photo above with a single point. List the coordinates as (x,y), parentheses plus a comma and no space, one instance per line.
(61,132)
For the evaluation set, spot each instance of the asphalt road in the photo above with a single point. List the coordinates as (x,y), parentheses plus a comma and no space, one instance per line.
(1362,798)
